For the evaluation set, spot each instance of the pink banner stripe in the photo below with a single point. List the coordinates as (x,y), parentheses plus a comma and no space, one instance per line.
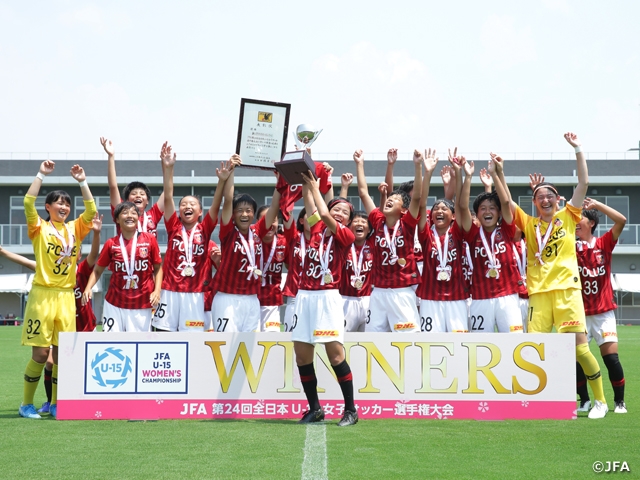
(282,409)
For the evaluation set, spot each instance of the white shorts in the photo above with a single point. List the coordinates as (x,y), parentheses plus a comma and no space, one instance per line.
(208,321)
(231,312)
(318,317)
(392,310)
(420,266)
(289,311)
(269,318)
(602,327)
(180,312)
(437,316)
(356,310)
(524,310)
(501,312)
(117,319)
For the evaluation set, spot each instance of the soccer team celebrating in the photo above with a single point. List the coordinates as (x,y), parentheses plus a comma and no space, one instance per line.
(395,267)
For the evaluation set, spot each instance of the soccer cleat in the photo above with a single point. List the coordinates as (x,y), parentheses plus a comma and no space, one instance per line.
(620,407)
(349,418)
(28,411)
(585,407)
(312,416)
(44,408)
(53,410)
(599,410)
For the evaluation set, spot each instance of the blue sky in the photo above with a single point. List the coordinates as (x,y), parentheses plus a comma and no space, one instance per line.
(494,75)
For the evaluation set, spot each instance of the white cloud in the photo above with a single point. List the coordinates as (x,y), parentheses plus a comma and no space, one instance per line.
(505,44)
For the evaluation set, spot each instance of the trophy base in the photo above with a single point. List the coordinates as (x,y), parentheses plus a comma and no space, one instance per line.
(293,164)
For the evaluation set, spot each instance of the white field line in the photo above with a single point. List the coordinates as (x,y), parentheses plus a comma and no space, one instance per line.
(314,465)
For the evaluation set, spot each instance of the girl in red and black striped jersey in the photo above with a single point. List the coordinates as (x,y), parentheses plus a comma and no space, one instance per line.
(295,239)
(134,258)
(271,265)
(494,285)
(187,268)
(443,290)
(356,285)
(318,303)
(135,192)
(594,263)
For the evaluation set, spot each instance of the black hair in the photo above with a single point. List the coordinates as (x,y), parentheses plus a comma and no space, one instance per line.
(124,206)
(261,209)
(406,199)
(197,197)
(406,187)
(56,195)
(335,200)
(365,215)
(132,186)
(447,203)
(299,224)
(594,216)
(244,198)
(491,196)
(548,185)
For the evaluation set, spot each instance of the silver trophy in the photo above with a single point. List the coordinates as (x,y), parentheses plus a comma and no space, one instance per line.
(305,135)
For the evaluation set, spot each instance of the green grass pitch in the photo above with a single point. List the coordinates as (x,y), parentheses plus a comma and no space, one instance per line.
(174,449)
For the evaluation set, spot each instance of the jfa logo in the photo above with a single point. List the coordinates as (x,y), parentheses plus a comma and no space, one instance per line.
(109,368)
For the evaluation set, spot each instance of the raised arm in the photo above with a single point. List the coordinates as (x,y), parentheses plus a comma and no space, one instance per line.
(19,259)
(227,193)
(112,179)
(448,176)
(314,190)
(363,189)
(345,180)
(416,195)
(77,172)
(583,173)
(46,168)
(329,169)
(619,220)
(168,157)
(463,215)
(392,158)
(95,243)
(430,164)
(495,167)
(486,179)
(223,173)
(272,212)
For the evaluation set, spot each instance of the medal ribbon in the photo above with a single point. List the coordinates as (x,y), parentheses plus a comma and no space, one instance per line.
(443,251)
(391,242)
(187,242)
(494,264)
(467,252)
(145,221)
(250,250)
(67,248)
(542,243)
(521,259)
(129,264)
(303,247)
(357,267)
(274,245)
(324,257)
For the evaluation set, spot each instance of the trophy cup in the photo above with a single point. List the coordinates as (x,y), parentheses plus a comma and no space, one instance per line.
(293,164)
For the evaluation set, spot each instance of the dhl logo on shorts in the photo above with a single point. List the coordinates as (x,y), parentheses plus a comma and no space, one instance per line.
(572,323)
(325,333)
(194,323)
(404,326)
(515,328)
(609,334)
(459,331)
(272,324)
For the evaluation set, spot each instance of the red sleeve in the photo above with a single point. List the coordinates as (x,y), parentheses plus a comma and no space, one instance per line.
(344,235)
(225,230)
(260,227)
(84,269)
(156,258)
(173,223)
(473,232)
(375,217)
(208,225)
(105,255)
(508,230)
(113,211)
(608,243)
(410,220)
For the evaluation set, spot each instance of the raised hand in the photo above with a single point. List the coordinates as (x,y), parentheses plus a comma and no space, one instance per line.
(589,203)
(108,146)
(445,174)
(328,168)
(47,167)
(467,166)
(453,156)
(392,156)
(430,160)
(346,179)
(497,161)
(358,156)
(77,172)
(167,155)
(96,223)
(383,188)
(235,161)
(535,179)
(224,172)
(418,157)
(310,180)
(485,176)
(573,139)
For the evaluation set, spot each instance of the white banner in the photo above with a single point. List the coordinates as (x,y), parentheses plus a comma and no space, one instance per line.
(246,375)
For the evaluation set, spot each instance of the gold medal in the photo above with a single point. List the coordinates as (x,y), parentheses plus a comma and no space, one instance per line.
(258,272)
(493,273)
(358,284)
(188,271)
(133,284)
(328,278)
(443,276)
(402,262)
